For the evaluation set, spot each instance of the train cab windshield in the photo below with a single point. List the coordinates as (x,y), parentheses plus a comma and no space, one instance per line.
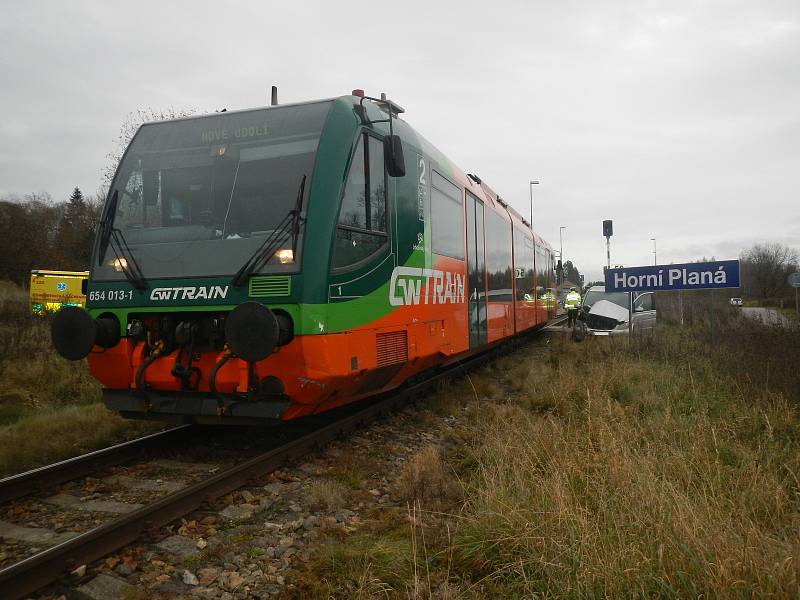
(198,196)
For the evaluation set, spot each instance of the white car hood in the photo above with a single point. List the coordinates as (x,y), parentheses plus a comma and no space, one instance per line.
(604,308)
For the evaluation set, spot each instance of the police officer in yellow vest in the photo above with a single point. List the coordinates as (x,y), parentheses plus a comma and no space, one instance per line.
(571,303)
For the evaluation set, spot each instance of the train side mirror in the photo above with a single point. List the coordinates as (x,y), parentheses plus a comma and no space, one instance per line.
(393,152)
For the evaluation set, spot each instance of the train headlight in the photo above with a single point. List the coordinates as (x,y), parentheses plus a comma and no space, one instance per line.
(285,256)
(118,264)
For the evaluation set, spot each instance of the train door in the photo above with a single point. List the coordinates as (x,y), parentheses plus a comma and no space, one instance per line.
(476,272)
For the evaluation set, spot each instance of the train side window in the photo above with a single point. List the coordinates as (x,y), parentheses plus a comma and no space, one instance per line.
(499,266)
(361,230)
(447,217)
(523,265)
(542,281)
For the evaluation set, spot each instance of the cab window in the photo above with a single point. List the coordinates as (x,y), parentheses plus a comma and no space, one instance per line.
(645,301)
(362,227)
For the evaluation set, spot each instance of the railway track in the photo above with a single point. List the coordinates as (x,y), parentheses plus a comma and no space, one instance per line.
(38,480)
(38,570)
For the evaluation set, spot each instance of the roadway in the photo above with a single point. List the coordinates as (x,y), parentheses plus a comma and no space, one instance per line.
(769,316)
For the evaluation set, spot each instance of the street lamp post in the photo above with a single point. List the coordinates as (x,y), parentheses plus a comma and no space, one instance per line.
(530,186)
(655,254)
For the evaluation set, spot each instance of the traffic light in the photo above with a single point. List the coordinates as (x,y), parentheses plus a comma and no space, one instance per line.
(608,228)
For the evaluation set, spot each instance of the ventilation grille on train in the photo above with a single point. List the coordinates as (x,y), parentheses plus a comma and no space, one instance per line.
(392,348)
(261,287)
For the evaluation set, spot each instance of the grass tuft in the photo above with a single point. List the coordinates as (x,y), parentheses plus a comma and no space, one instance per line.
(425,479)
(326,494)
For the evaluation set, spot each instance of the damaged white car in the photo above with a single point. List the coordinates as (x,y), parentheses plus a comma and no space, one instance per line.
(606,313)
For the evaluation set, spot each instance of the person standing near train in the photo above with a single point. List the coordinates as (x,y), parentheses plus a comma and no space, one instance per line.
(571,303)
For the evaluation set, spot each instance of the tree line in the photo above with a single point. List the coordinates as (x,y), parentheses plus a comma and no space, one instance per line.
(37,232)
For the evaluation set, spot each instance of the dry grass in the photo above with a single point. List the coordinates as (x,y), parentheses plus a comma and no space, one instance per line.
(49,407)
(326,494)
(758,356)
(608,470)
(60,433)
(32,374)
(426,480)
(354,467)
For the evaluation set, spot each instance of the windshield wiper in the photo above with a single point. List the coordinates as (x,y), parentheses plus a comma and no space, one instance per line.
(107,226)
(289,227)
(125,260)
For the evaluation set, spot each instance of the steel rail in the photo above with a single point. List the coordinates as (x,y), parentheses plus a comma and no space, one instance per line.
(39,479)
(34,572)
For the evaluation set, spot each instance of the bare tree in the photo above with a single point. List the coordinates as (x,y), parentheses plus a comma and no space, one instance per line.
(765,268)
(28,230)
(128,129)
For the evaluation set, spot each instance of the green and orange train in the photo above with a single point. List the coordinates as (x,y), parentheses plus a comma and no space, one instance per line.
(282,261)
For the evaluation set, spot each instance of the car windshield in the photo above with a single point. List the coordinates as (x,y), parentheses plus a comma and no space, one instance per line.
(618,298)
(198,196)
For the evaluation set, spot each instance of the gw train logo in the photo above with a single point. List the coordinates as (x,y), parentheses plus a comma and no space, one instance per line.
(189,293)
(441,287)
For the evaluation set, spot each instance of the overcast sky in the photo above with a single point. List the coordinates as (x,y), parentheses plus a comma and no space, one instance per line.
(678,120)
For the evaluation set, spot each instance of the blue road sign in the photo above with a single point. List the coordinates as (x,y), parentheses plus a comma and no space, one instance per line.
(689,276)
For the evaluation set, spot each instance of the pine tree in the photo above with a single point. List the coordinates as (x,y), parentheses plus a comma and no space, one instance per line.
(77,196)
(73,242)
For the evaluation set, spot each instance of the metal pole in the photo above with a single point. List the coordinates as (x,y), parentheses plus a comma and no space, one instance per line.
(796,305)
(630,317)
(608,252)
(680,304)
(712,317)
(655,252)
(561,255)
(530,187)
